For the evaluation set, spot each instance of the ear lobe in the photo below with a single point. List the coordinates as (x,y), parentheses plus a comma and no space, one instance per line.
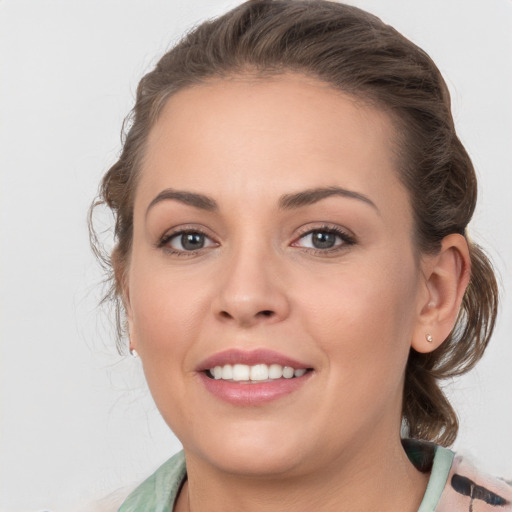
(446,276)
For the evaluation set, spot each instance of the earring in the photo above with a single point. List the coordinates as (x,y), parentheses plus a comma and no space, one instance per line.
(133,353)
(429,338)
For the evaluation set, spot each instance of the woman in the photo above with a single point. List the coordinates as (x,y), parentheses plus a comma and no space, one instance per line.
(291,207)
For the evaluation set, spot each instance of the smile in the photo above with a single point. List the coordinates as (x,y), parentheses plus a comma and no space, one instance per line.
(261,372)
(254,377)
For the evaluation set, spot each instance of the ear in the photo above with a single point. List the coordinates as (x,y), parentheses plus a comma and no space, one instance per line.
(446,276)
(120,266)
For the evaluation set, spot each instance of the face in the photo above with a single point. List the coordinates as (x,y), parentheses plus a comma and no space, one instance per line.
(271,234)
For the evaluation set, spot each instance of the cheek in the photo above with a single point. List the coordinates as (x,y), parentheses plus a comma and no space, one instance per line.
(364,316)
(166,312)
(167,316)
(364,329)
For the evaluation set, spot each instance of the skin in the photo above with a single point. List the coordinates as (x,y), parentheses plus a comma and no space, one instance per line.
(352,312)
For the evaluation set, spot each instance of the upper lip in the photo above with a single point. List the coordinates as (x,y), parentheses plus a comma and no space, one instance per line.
(249,357)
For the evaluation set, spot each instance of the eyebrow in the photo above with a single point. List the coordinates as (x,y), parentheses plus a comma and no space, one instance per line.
(190,198)
(286,201)
(311,196)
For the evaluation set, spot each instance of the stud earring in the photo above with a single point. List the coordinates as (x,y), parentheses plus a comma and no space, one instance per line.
(133,353)
(429,338)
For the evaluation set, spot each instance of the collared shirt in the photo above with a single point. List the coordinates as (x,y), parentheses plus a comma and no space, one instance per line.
(455,484)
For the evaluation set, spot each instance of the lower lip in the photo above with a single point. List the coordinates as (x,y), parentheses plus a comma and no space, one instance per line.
(254,393)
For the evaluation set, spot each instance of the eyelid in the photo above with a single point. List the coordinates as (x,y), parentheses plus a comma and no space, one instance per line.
(347,237)
(163,241)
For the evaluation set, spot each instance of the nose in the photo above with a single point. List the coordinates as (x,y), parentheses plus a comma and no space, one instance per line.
(251,290)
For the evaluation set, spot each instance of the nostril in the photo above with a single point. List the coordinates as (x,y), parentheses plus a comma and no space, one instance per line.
(246,317)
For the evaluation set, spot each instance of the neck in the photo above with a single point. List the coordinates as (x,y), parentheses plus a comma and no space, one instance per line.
(377,476)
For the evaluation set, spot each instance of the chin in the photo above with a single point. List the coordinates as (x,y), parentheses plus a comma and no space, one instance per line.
(257,452)
(263,464)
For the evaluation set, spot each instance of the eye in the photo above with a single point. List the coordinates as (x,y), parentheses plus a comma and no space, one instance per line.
(320,240)
(324,239)
(187,241)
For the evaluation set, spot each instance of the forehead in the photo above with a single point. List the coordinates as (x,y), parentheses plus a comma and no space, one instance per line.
(291,131)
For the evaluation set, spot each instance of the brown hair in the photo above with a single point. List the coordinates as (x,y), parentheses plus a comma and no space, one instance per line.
(357,53)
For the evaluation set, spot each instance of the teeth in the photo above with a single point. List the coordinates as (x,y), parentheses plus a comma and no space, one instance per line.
(275,371)
(288,372)
(257,372)
(240,372)
(227,372)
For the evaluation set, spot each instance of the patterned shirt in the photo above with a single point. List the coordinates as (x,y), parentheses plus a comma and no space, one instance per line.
(455,485)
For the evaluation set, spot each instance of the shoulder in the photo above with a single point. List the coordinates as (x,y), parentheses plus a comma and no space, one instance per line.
(158,492)
(456,484)
(468,488)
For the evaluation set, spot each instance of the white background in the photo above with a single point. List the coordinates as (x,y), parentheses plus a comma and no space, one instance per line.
(77,422)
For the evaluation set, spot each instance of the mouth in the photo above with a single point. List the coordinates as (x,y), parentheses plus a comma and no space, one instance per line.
(250,378)
(257,373)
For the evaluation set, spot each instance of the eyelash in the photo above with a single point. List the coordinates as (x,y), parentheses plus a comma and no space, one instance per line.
(164,241)
(347,240)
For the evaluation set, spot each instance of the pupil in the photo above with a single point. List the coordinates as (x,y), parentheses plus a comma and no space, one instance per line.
(192,241)
(323,240)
